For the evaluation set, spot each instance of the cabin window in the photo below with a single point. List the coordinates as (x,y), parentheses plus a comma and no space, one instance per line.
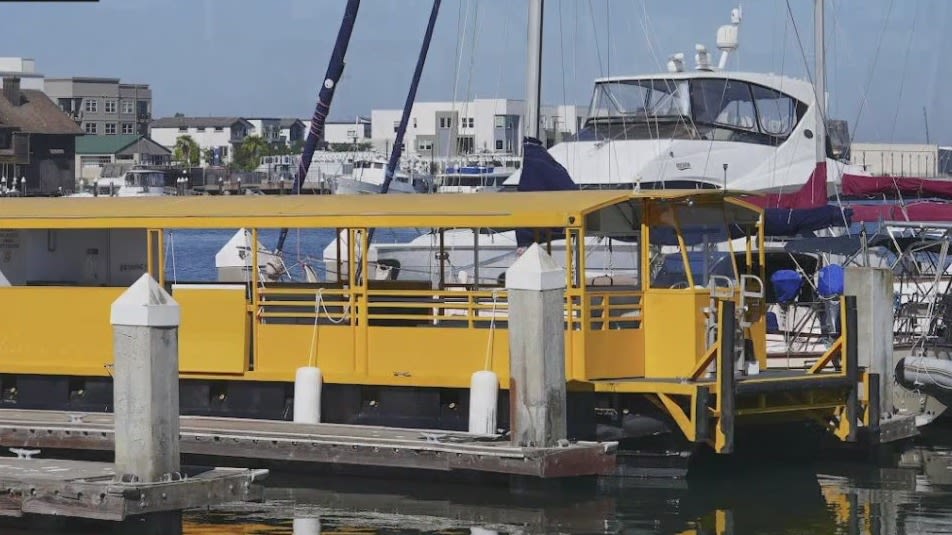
(777,112)
(725,102)
(639,98)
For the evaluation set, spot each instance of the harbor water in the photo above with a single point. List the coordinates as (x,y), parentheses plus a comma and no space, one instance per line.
(909,492)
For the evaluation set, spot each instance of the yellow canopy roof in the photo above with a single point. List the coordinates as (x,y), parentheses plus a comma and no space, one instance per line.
(505,209)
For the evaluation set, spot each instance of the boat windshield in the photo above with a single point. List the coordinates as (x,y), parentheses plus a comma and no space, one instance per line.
(713,109)
(145,180)
(639,98)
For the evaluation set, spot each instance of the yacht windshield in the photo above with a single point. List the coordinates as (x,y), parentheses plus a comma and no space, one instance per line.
(639,98)
(715,109)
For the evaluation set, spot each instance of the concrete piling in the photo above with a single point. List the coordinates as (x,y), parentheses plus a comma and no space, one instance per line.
(537,392)
(874,292)
(145,322)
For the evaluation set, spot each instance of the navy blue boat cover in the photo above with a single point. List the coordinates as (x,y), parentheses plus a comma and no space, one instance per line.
(540,172)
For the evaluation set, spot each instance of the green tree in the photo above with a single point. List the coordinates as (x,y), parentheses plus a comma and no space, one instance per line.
(280,149)
(249,153)
(187,150)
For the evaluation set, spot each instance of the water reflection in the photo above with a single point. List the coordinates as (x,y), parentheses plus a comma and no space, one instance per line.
(907,493)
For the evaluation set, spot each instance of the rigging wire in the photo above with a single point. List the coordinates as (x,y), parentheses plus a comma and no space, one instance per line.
(902,77)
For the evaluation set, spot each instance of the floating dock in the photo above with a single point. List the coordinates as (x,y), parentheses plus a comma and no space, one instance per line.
(92,490)
(319,443)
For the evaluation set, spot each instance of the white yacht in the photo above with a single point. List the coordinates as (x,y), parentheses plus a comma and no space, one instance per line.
(701,128)
(133,183)
(367,176)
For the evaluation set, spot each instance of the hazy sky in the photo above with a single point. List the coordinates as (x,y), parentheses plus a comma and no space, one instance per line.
(268,57)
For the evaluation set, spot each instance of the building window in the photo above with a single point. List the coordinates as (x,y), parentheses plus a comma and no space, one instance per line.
(468,122)
(396,125)
(500,121)
(498,144)
(414,122)
(219,129)
(183,129)
(91,128)
(128,128)
(110,129)
(110,107)
(128,106)
(200,129)
(92,105)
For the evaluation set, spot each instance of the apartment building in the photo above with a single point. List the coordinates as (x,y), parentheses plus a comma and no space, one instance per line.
(448,130)
(103,106)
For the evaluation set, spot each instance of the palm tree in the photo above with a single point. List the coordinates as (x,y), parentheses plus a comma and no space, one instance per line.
(250,151)
(187,150)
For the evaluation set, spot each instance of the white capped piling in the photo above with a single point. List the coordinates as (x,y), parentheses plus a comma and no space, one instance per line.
(874,291)
(307,395)
(145,322)
(536,286)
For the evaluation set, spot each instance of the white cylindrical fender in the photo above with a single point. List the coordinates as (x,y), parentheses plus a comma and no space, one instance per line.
(307,395)
(483,395)
(306,526)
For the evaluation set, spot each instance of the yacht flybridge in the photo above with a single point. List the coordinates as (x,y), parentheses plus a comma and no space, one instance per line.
(702,128)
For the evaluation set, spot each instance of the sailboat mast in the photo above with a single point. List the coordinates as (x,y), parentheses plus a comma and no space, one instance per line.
(534,69)
(819,51)
(335,69)
(411,97)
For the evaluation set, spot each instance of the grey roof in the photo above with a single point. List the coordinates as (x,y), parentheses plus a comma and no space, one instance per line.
(288,123)
(36,114)
(198,122)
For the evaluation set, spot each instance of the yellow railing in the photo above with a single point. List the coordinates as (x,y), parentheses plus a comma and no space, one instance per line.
(614,309)
(446,308)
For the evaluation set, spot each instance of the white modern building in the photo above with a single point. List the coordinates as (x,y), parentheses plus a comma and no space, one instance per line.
(278,130)
(354,132)
(24,69)
(897,159)
(221,134)
(449,130)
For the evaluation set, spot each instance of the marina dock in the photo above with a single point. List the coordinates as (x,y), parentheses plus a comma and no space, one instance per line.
(233,438)
(91,490)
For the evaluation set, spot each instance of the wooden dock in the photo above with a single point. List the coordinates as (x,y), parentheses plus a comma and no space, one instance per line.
(91,490)
(233,438)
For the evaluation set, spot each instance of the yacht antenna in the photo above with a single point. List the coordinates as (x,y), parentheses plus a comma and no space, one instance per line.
(534,69)
(727,38)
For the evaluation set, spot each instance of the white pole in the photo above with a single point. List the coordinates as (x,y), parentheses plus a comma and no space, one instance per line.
(820,80)
(534,69)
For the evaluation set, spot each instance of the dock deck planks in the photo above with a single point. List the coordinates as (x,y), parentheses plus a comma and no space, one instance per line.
(319,443)
(90,489)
